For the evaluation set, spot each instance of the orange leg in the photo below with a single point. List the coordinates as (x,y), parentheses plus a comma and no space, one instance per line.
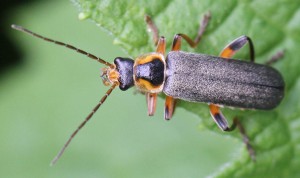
(218,117)
(236,45)
(161,46)
(151,98)
(215,111)
(170,102)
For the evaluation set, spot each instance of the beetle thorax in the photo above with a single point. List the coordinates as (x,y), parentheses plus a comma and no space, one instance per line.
(149,72)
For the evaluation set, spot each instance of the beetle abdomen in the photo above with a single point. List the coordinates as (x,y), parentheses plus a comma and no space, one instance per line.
(204,78)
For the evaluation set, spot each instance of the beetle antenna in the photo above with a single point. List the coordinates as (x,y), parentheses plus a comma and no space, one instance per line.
(22,29)
(83,123)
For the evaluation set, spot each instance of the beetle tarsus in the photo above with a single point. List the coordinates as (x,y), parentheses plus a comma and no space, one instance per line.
(152,28)
(279,55)
(246,140)
(202,28)
(193,43)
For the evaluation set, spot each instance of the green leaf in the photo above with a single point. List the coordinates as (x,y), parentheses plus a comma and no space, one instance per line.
(273,26)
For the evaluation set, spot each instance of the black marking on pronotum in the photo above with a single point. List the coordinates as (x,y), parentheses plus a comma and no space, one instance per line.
(152,71)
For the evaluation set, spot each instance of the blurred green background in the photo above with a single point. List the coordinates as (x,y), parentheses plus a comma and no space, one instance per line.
(44,97)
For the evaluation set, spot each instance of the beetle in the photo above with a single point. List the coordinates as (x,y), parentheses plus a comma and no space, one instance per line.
(216,80)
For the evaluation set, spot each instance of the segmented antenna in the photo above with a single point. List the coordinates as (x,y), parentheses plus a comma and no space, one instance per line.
(83,123)
(22,29)
(60,153)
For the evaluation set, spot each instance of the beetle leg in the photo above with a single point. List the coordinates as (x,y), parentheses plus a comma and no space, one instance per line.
(195,42)
(221,121)
(151,98)
(161,46)
(237,123)
(217,115)
(152,28)
(236,45)
(151,102)
(223,125)
(275,58)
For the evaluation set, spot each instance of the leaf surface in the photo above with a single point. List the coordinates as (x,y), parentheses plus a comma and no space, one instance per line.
(272,25)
